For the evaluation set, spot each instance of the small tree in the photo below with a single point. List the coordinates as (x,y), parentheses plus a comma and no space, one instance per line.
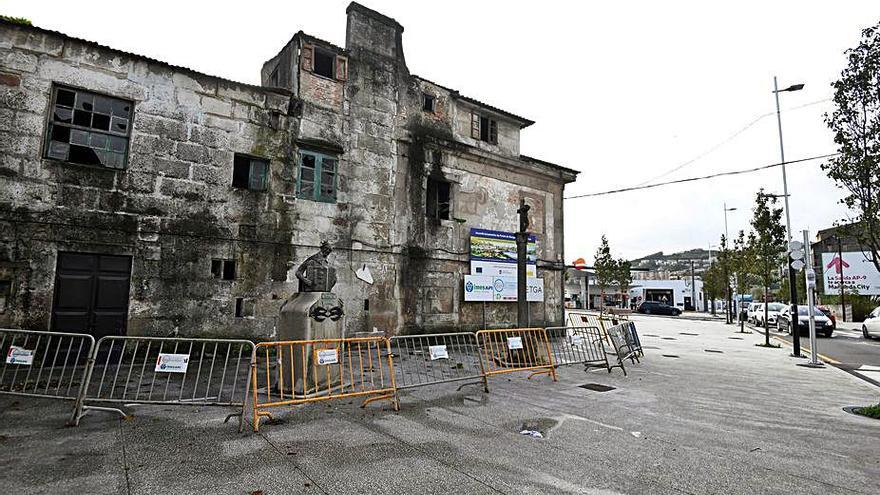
(742,259)
(725,263)
(623,275)
(713,283)
(767,245)
(605,268)
(856,126)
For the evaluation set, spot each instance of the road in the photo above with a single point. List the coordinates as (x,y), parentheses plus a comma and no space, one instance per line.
(846,349)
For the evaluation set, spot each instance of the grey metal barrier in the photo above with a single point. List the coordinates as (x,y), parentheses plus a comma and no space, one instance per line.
(52,365)
(159,370)
(578,345)
(622,350)
(421,360)
(632,339)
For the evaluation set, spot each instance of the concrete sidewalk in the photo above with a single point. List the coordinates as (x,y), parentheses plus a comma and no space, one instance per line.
(745,420)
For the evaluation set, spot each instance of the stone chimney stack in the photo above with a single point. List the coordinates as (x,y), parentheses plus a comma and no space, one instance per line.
(371,31)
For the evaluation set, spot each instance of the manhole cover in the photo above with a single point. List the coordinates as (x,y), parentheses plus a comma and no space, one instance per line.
(596,387)
(668,338)
(714,350)
(685,333)
(670,355)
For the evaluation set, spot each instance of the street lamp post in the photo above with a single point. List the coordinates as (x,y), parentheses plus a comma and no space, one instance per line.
(726,275)
(792,276)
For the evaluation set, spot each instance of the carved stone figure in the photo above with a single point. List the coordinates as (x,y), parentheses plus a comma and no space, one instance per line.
(316,274)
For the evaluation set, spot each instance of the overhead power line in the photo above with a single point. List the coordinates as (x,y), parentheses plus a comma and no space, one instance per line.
(704,177)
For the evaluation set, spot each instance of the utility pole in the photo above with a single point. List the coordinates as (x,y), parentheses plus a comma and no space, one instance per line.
(792,276)
(522,242)
(840,264)
(693,288)
(810,275)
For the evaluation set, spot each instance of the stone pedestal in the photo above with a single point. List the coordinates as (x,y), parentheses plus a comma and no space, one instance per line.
(310,316)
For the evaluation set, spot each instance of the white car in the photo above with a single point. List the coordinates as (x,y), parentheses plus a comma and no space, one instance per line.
(753,312)
(871,325)
(773,310)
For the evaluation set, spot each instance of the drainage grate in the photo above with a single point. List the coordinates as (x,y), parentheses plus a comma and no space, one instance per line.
(670,355)
(686,333)
(735,338)
(668,338)
(649,347)
(714,350)
(596,387)
(650,335)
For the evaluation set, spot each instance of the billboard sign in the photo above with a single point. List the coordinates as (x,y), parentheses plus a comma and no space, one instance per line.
(858,274)
(500,289)
(493,253)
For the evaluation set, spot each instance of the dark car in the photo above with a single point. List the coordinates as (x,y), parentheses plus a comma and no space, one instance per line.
(658,308)
(823,323)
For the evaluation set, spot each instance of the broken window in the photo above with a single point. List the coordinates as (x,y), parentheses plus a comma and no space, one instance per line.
(5,289)
(244,308)
(484,128)
(324,63)
(428,103)
(317,176)
(223,269)
(249,172)
(437,199)
(88,128)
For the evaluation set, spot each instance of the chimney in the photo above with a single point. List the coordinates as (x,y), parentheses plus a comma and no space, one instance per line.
(371,31)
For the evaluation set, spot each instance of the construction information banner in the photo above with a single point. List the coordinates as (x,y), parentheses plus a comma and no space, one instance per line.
(493,253)
(500,289)
(859,274)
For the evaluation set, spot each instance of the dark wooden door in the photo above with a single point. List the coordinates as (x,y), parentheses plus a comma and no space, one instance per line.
(91,294)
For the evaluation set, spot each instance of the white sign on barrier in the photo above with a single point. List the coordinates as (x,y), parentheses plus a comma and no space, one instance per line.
(328,356)
(19,355)
(514,343)
(438,352)
(172,363)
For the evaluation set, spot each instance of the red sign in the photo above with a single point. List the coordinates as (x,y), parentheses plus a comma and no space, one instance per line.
(580,264)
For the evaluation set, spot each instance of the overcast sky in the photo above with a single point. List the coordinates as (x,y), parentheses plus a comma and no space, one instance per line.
(622,91)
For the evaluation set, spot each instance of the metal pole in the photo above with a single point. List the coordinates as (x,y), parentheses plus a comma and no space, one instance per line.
(522,240)
(840,257)
(693,288)
(728,313)
(792,276)
(810,276)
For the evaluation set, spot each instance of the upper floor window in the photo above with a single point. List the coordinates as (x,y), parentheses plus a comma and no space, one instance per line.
(484,128)
(428,103)
(437,199)
(250,172)
(323,62)
(88,128)
(317,176)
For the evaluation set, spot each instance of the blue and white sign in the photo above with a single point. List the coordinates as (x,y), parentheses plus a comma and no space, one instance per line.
(493,253)
(500,289)
(172,363)
(19,355)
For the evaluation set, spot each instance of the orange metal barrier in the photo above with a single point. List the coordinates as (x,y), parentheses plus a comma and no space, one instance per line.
(516,349)
(301,371)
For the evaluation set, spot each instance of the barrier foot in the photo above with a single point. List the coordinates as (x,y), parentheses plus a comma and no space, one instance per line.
(391,397)
(543,372)
(472,383)
(86,409)
(257,416)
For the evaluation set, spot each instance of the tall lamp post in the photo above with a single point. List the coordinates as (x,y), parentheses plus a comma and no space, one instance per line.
(792,276)
(726,275)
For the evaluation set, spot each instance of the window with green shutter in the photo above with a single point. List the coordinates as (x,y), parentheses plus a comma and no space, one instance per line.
(317,176)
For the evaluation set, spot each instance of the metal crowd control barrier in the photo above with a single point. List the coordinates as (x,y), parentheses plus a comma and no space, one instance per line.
(157,370)
(578,345)
(46,364)
(632,339)
(422,360)
(622,350)
(517,349)
(301,371)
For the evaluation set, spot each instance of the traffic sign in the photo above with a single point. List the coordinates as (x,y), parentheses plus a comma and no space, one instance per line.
(797,264)
(795,245)
(797,255)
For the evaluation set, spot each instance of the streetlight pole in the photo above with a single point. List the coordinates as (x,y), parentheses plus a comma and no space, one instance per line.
(727,275)
(792,276)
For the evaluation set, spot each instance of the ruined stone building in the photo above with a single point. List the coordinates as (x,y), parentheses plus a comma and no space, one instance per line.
(138,197)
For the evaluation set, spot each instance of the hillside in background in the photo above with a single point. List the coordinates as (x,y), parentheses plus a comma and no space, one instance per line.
(672,266)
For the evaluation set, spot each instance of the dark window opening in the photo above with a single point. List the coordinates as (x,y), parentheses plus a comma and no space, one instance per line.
(88,128)
(249,173)
(223,269)
(324,62)
(244,308)
(366,304)
(428,102)
(437,199)
(5,287)
(488,130)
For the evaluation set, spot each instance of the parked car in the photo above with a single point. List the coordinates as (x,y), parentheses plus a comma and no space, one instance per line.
(830,314)
(773,310)
(753,312)
(658,308)
(871,325)
(823,324)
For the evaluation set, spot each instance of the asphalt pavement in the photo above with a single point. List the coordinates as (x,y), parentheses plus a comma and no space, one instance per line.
(705,411)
